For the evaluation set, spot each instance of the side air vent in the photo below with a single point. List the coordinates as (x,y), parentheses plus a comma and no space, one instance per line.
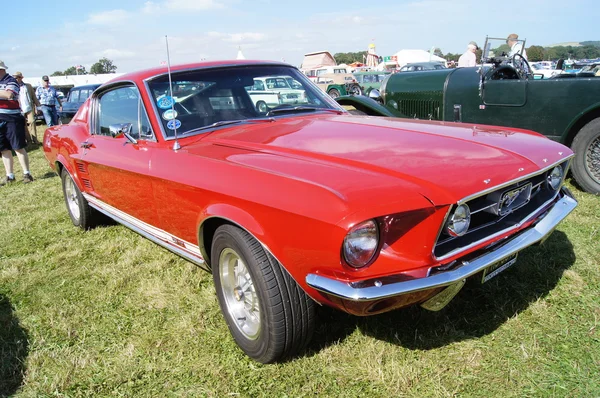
(81,167)
(86,183)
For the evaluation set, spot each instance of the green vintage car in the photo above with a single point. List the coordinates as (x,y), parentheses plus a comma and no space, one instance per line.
(501,92)
(370,80)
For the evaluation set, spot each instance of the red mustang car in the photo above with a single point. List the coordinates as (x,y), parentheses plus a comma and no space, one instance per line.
(297,205)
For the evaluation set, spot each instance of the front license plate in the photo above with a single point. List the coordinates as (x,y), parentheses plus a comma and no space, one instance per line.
(498,267)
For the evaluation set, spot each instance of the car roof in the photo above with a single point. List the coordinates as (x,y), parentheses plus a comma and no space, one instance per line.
(86,86)
(142,75)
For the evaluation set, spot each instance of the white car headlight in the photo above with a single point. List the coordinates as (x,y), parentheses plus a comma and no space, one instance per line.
(555,177)
(458,222)
(360,244)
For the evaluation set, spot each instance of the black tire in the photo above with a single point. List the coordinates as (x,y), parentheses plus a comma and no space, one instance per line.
(334,93)
(82,215)
(586,164)
(271,318)
(355,90)
(262,107)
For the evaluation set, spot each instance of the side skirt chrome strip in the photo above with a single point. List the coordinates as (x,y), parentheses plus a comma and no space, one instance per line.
(188,251)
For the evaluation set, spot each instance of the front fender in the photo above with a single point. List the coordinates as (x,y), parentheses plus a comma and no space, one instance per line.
(364,104)
(232,215)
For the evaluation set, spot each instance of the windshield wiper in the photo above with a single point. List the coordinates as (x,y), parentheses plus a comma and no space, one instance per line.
(228,122)
(301,109)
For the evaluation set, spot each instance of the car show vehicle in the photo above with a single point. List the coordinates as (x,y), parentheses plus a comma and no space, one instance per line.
(337,84)
(281,86)
(304,205)
(503,92)
(370,80)
(421,66)
(76,97)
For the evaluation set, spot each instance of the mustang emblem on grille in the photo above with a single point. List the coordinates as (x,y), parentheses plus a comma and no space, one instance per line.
(512,200)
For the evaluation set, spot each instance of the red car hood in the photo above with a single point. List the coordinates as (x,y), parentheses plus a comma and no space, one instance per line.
(459,159)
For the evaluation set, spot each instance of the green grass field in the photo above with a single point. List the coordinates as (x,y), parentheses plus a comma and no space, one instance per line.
(108,313)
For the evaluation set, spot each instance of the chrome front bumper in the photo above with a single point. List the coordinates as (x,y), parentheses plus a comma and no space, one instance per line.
(379,289)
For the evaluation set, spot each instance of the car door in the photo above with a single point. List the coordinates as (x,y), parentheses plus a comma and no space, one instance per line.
(119,169)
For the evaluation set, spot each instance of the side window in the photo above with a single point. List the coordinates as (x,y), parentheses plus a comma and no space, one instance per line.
(123,105)
(74,96)
(84,94)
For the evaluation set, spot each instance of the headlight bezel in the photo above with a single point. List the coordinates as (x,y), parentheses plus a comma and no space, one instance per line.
(354,234)
(557,178)
(462,212)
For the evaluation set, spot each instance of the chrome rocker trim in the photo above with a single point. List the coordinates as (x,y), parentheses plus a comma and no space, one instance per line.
(377,290)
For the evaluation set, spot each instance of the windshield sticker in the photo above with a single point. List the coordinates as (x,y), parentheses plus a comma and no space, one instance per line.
(173,124)
(165,102)
(169,114)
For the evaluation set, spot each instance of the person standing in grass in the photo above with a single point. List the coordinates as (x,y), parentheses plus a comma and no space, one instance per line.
(29,104)
(48,97)
(12,128)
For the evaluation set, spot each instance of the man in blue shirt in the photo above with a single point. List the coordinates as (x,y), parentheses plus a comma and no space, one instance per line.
(48,97)
(12,128)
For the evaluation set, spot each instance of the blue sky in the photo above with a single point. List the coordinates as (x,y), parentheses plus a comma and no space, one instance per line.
(51,36)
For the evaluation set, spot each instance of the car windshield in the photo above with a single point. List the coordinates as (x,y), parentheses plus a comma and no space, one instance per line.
(205,97)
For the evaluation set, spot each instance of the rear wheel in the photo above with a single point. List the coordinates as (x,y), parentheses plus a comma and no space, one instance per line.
(586,165)
(82,215)
(267,313)
(355,90)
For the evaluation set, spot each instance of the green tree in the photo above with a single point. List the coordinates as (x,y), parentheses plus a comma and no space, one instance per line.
(57,73)
(104,65)
(73,71)
(504,48)
(535,53)
(348,58)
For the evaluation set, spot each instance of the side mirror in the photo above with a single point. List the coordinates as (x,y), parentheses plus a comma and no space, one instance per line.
(122,129)
(375,95)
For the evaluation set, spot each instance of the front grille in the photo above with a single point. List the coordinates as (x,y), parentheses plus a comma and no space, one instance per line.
(500,210)
(420,108)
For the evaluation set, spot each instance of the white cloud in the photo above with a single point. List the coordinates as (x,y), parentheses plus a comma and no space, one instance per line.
(151,7)
(245,37)
(191,5)
(112,53)
(108,17)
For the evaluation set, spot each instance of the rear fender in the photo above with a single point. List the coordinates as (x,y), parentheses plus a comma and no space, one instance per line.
(364,104)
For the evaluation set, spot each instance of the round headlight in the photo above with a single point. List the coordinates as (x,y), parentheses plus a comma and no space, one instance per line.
(459,220)
(555,177)
(360,244)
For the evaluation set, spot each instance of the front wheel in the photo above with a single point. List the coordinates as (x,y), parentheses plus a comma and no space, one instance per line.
(268,315)
(586,165)
(355,90)
(261,107)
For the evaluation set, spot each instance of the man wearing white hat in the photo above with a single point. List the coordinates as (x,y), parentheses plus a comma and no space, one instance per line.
(12,128)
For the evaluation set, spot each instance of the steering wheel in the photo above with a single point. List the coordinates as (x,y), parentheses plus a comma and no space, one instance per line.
(522,66)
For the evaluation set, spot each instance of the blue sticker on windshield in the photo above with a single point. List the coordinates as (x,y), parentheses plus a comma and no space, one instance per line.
(169,114)
(173,124)
(165,102)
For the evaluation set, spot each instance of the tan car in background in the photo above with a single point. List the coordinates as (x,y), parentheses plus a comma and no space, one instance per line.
(336,84)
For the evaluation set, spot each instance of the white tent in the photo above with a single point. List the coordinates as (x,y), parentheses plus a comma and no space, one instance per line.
(404,57)
(240,55)
(73,80)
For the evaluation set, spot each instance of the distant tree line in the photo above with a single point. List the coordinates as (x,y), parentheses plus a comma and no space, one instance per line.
(588,49)
(104,65)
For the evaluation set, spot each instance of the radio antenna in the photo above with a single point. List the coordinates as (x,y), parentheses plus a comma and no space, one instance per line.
(176,145)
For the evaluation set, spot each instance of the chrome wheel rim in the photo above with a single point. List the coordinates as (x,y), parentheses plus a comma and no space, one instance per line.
(592,157)
(72,198)
(262,107)
(239,293)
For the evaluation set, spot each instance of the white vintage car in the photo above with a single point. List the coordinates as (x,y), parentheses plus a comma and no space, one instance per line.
(281,86)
